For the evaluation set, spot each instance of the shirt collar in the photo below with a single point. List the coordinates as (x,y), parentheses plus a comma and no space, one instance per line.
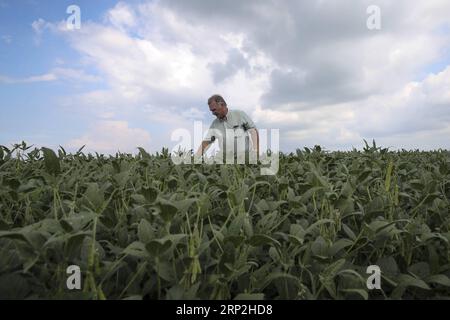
(226,117)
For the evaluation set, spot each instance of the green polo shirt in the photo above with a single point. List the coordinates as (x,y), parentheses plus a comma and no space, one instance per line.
(237,123)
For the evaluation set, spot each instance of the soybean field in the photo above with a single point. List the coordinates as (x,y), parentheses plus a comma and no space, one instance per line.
(140,227)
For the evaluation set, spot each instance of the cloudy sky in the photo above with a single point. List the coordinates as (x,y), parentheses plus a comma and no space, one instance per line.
(138,70)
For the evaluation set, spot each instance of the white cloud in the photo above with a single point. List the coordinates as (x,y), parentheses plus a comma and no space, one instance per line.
(154,54)
(419,106)
(121,16)
(54,75)
(108,136)
(135,66)
(39,78)
(313,70)
(74,74)
(193,113)
(39,26)
(417,113)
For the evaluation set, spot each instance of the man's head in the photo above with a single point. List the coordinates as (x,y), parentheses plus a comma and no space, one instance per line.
(218,106)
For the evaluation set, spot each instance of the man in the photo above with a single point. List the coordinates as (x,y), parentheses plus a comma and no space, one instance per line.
(231,129)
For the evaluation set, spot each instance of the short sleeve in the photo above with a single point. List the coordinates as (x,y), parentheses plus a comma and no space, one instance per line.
(246,119)
(209,134)
(212,132)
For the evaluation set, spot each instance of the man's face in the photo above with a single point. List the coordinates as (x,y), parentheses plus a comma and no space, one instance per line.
(217,109)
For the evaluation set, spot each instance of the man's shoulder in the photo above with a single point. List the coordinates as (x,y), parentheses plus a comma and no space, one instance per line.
(237,113)
(215,123)
(241,117)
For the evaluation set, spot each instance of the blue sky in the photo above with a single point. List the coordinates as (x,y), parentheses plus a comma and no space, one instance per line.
(138,70)
(30,111)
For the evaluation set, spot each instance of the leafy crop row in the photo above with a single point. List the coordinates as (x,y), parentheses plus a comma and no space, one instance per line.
(141,227)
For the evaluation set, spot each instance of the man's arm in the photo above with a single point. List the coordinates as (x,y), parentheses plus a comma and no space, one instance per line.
(255,139)
(202,149)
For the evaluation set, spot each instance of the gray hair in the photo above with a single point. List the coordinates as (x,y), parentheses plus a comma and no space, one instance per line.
(217,98)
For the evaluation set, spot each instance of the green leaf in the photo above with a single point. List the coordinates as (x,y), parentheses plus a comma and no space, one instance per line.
(319,247)
(13,286)
(63,151)
(433,258)
(279,275)
(138,199)
(150,194)
(122,178)
(262,239)
(158,247)
(165,270)
(295,240)
(66,225)
(51,161)
(363,175)
(144,154)
(441,279)
(94,196)
(168,210)
(348,232)
(356,275)
(318,223)
(28,186)
(420,269)
(174,238)
(14,235)
(333,268)
(273,253)
(30,263)
(184,205)
(176,292)
(347,190)
(74,243)
(249,296)
(136,249)
(387,182)
(407,280)
(376,206)
(430,198)
(433,235)
(145,231)
(235,240)
(79,150)
(308,194)
(3,225)
(339,245)
(236,225)
(361,292)
(388,266)
(80,220)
